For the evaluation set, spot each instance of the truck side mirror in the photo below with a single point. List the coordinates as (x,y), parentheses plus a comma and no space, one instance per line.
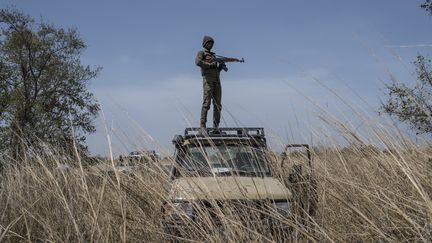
(178,140)
(295,174)
(308,153)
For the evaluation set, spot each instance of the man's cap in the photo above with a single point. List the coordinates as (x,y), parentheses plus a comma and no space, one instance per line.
(207,39)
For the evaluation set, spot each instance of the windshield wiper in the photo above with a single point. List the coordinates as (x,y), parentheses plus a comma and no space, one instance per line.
(198,171)
(238,172)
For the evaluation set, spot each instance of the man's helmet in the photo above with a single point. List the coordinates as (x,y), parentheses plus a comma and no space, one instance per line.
(207,39)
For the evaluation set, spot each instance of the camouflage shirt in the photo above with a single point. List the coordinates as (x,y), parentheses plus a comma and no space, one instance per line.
(204,59)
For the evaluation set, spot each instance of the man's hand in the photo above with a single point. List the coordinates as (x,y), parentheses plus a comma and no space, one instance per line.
(213,65)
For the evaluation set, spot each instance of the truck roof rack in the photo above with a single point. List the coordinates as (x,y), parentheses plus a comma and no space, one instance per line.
(227,132)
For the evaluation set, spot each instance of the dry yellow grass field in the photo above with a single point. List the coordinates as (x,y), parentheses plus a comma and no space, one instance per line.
(364,195)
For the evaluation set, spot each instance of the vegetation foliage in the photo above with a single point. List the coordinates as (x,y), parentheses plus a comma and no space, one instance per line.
(44,97)
(413,105)
(427,5)
(364,195)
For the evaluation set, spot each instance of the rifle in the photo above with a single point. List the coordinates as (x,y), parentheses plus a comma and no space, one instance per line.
(221,60)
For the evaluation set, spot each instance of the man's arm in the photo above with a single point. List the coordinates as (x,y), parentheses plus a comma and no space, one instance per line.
(199,61)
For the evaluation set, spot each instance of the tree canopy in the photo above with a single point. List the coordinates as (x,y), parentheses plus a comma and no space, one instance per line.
(413,106)
(44,96)
(427,5)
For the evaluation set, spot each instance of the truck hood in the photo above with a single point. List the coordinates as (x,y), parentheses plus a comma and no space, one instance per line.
(228,188)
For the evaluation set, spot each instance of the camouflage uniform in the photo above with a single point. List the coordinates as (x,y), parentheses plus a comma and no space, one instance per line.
(211,84)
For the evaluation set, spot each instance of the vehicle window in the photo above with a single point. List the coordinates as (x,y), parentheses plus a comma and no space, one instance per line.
(225,159)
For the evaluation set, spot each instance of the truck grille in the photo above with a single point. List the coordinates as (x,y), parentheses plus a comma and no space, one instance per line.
(246,212)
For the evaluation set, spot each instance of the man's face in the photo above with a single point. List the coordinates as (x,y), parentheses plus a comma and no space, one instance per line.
(209,45)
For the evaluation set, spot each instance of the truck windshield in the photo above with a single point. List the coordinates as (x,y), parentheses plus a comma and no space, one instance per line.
(243,160)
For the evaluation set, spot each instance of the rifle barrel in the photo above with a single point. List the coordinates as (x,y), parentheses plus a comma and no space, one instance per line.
(229,59)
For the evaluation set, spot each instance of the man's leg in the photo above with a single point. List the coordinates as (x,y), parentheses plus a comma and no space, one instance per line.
(207,95)
(217,104)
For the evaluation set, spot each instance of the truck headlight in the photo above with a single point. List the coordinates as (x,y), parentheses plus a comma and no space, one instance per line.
(282,207)
(178,209)
(185,207)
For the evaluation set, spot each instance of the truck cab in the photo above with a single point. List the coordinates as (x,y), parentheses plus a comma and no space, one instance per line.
(217,173)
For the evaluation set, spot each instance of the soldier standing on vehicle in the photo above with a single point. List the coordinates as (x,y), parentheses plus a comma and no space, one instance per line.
(212,90)
(211,65)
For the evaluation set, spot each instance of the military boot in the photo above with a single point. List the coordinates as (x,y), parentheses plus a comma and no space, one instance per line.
(216,129)
(203,130)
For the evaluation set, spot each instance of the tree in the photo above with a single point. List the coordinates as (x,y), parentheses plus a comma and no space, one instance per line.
(44,97)
(413,105)
(427,5)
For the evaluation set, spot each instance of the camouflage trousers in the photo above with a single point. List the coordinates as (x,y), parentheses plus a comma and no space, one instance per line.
(212,92)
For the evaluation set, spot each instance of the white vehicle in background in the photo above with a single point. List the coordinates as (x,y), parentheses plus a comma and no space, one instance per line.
(136,160)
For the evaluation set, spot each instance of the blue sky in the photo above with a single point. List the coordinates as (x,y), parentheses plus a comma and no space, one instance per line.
(150,88)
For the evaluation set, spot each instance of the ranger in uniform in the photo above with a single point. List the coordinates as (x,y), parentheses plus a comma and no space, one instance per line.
(210,71)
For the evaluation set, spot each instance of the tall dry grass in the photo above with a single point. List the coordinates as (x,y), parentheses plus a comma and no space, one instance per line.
(365,194)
